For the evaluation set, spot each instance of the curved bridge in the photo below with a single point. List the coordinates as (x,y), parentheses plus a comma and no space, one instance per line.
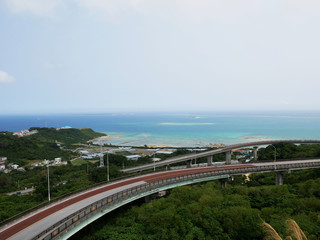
(227,149)
(61,220)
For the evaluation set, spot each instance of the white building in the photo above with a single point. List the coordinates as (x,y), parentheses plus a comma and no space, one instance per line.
(84,152)
(3,160)
(57,161)
(133,157)
(15,166)
(164,152)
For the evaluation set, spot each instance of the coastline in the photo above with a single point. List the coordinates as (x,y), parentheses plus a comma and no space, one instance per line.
(122,140)
(178,130)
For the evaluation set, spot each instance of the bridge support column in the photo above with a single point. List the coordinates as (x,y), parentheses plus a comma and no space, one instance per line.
(147,199)
(255,153)
(224,182)
(279,178)
(210,160)
(155,196)
(189,162)
(228,157)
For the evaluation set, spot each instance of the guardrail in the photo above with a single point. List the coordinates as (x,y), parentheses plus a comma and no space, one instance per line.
(60,228)
(65,196)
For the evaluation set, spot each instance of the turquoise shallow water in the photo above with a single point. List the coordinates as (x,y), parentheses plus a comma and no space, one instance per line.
(180,129)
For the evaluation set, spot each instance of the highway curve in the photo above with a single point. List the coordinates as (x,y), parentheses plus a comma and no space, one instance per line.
(20,225)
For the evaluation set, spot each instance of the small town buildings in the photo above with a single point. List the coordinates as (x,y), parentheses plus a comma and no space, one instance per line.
(23,133)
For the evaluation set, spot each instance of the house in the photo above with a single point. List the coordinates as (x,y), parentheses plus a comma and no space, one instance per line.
(14,166)
(3,160)
(156,159)
(84,152)
(164,152)
(57,161)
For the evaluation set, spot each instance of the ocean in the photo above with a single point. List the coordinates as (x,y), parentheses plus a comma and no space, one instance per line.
(180,129)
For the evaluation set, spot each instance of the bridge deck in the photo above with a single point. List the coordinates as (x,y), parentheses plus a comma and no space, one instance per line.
(213,152)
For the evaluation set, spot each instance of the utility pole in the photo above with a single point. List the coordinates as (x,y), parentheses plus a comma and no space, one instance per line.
(101,156)
(275,153)
(87,168)
(108,166)
(48,184)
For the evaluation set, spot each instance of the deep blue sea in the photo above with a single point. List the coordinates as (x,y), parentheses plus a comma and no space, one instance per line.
(180,129)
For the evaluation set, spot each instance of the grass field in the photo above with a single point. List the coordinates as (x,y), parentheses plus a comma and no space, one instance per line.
(78,161)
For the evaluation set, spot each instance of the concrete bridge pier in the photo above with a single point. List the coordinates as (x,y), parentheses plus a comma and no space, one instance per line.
(228,157)
(155,196)
(210,158)
(255,153)
(189,162)
(224,181)
(279,177)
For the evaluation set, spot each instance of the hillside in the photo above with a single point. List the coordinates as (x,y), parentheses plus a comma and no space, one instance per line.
(43,145)
(66,137)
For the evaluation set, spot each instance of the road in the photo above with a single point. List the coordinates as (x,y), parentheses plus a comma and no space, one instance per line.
(34,224)
(211,152)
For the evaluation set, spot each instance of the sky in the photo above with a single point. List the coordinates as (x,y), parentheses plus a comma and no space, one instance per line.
(69,56)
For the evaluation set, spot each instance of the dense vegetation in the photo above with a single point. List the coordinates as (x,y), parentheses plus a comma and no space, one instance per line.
(207,211)
(63,179)
(43,145)
(289,151)
(67,137)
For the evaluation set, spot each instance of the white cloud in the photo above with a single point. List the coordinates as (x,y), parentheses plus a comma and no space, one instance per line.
(36,7)
(5,77)
(221,10)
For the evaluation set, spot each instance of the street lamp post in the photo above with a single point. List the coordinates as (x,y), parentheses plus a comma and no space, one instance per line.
(101,155)
(49,198)
(275,153)
(108,166)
